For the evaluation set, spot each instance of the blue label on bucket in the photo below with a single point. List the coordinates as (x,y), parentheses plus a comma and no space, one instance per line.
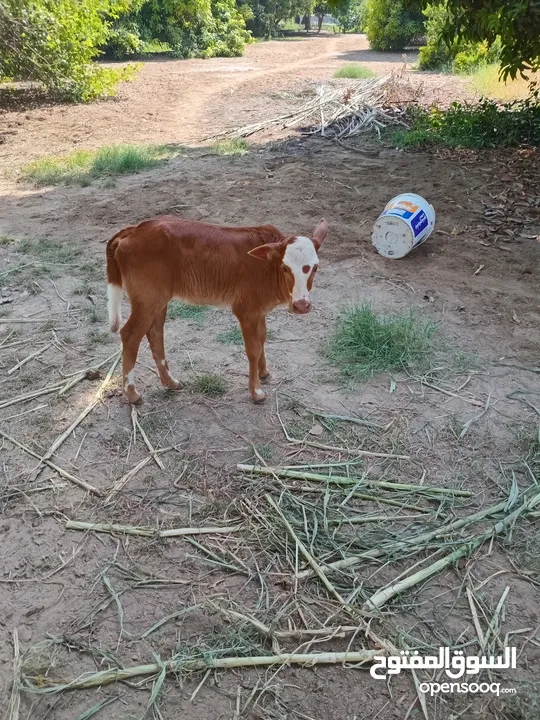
(400,212)
(419,223)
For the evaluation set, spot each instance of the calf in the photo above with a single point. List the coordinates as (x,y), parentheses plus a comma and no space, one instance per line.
(252,270)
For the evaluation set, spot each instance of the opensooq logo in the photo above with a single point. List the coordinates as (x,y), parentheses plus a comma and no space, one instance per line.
(455,666)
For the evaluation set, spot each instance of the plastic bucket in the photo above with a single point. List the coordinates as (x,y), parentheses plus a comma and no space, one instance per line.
(403,225)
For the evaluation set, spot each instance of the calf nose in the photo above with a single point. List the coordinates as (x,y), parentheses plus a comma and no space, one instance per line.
(301,306)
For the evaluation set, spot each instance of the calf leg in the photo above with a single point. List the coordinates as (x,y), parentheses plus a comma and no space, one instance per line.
(157,346)
(263,370)
(132,333)
(251,330)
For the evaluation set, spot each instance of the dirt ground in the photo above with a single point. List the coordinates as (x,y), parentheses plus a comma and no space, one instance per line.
(86,601)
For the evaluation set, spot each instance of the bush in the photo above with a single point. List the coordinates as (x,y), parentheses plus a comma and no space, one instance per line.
(54,42)
(459,56)
(390,27)
(124,40)
(487,125)
(189,28)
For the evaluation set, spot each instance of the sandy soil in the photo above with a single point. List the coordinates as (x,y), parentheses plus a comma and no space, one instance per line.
(477,276)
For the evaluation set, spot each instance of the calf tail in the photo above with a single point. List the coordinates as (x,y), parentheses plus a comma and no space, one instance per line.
(114,287)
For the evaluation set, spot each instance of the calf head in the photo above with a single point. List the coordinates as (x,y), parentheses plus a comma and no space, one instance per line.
(299,263)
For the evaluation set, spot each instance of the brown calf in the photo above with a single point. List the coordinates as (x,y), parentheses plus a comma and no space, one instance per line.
(252,270)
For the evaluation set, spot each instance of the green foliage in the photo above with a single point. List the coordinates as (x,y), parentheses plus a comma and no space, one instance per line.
(124,39)
(266,15)
(354,70)
(515,22)
(390,26)
(365,344)
(188,28)
(458,56)
(486,125)
(55,41)
(351,15)
(82,166)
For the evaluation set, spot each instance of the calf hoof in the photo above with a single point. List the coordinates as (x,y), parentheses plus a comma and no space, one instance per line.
(258,396)
(173,385)
(265,378)
(132,397)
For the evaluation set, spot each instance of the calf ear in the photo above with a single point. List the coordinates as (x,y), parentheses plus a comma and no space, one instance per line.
(266,252)
(320,233)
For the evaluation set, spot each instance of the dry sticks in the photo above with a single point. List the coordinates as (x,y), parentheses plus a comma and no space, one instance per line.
(64,473)
(335,112)
(355,482)
(147,532)
(97,399)
(105,677)
(385,594)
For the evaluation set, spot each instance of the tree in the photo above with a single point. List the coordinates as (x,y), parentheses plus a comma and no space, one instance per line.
(321,9)
(516,23)
(192,28)
(457,56)
(55,41)
(268,14)
(390,26)
(350,15)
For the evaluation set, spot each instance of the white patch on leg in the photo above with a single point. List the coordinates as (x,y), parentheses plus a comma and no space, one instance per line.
(298,255)
(114,303)
(164,362)
(130,380)
(258,391)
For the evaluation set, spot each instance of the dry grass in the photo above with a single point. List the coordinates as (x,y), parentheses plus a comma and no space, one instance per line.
(485,80)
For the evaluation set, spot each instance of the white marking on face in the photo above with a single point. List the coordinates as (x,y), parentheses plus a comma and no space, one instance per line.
(298,255)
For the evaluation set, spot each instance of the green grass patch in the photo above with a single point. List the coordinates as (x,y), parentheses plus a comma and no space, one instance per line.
(182,311)
(83,166)
(354,70)
(366,344)
(236,146)
(50,251)
(231,337)
(234,336)
(485,125)
(155,46)
(4,240)
(209,384)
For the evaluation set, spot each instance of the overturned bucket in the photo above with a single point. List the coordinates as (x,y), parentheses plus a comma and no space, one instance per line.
(403,225)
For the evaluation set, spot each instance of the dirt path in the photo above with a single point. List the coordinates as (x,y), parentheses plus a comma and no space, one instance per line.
(183,101)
